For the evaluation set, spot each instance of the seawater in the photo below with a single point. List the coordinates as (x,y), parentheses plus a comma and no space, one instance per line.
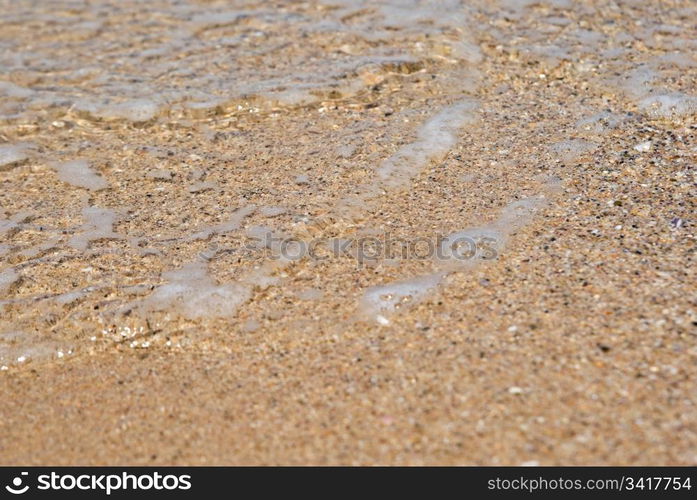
(75,76)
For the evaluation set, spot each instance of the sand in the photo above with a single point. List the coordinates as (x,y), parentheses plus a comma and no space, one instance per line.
(162,184)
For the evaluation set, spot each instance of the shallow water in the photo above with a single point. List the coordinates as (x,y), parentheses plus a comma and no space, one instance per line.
(144,146)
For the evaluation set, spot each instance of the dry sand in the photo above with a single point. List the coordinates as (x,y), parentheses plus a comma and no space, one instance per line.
(146,151)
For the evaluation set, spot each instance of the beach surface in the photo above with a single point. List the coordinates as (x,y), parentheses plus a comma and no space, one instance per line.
(348,232)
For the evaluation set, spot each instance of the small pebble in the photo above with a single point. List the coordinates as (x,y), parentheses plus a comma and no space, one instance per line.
(643,147)
(382,320)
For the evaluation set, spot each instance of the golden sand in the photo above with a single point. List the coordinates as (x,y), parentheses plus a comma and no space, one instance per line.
(147,152)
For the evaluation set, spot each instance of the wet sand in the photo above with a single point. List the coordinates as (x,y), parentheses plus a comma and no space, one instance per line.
(146,318)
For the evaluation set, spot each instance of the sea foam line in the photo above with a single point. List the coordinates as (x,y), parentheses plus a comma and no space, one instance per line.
(380,303)
(433,141)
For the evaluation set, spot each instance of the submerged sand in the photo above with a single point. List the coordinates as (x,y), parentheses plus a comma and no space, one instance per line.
(160,165)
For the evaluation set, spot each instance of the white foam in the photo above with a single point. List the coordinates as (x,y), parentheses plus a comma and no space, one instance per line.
(210,20)
(572,149)
(7,226)
(9,89)
(70,297)
(463,249)
(386,300)
(232,224)
(134,110)
(467,51)
(36,250)
(106,80)
(8,277)
(639,86)
(434,140)
(17,347)
(310,294)
(202,187)
(600,122)
(638,81)
(518,213)
(414,14)
(203,109)
(677,59)
(99,223)
(346,150)
(160,174)
(192,294)
(282,248)
(284,252)
(79,173)
(264,275)
(669,106)
(12,156)
(251,325)
(272,211)
(468,246)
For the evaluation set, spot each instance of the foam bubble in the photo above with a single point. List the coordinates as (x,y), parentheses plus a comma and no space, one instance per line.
(12,156)
(17,347)
(466,247)
(638,82)
(601,122)
(232,224)
(9,89)
(7,226)
(8,277)
(669,106)
(191,293)
(467,51)
(135,110)
(99,223)
(385,300)
(571,149)
(272,211)
(80,174)
(210,20)
(463,249)
(310,294)
(434,140)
